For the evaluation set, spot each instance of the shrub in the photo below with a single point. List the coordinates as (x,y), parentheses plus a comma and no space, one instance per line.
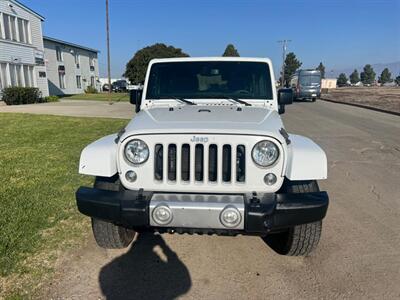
(90,90)
(21,95)
(51,99)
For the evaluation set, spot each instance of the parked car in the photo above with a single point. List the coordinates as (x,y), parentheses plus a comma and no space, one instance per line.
(207,153)
(306,84)
(119,86)
(106,87)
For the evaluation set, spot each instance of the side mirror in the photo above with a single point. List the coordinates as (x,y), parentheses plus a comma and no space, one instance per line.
(135,98)
(285,96)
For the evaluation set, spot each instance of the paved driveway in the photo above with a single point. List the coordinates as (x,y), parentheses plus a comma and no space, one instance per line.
(76,108)
(359,253)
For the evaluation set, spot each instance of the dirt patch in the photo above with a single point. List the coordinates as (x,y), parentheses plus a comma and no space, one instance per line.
(386,98)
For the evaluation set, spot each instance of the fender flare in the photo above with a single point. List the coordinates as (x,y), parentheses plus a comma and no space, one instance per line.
(306,160)
(100,157)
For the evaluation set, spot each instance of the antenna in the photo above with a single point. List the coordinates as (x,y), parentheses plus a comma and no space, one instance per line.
(284,48)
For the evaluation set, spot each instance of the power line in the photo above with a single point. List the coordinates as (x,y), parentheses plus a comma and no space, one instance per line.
(284,48)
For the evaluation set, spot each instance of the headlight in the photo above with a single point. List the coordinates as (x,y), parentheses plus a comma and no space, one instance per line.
(136,151)
(265,153)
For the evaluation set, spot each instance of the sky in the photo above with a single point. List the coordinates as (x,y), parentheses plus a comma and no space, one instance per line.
(341,34)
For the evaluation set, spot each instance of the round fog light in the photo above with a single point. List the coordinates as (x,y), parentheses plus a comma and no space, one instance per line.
(270,179)
(230,216)
(162,214)
(131,176)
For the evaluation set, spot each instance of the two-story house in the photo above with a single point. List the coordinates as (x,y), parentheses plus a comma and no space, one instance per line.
(71,68)
(21,47)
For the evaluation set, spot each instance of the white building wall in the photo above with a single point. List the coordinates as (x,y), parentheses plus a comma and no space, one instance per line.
(328,83)
(19,53)
(71,69)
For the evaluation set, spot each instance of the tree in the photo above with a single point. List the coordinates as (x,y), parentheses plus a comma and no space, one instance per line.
(137,66)
(354,77)
(291,65)
(230,50)
(342,79)
(368,75)
(321,68)
(386,76)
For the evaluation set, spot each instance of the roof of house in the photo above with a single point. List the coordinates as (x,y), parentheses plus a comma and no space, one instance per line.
(69,44)
(28,9)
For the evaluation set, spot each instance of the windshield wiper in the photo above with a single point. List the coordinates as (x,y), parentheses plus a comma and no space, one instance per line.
(184,100)
(238,101)
(179,99)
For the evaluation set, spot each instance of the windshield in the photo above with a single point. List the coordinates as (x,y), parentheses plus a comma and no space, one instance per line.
(209,79)
(310,80)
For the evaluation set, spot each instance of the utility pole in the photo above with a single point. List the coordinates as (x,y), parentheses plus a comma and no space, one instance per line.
(108,55)
(284,48)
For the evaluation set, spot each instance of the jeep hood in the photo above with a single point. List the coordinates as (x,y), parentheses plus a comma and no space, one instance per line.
(226,119)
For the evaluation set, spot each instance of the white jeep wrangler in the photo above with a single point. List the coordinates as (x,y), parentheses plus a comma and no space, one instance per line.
(207,153)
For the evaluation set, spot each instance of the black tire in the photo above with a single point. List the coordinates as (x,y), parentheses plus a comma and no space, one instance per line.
(110,236)
(106,234)
(299,240)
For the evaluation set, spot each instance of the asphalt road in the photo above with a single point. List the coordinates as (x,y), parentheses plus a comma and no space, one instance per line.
(358,256)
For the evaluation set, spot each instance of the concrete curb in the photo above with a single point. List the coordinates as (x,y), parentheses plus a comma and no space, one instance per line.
(363,106)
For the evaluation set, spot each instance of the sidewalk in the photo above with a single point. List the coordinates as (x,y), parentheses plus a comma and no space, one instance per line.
(75,108)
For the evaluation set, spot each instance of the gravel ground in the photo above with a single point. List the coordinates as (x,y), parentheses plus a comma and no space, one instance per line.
(386,98)
(358,256)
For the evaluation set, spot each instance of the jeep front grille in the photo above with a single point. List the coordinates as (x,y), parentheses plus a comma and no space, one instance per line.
(200,163)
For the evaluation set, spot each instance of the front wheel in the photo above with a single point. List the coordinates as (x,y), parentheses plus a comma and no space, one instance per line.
(110,236)
(106,234)
(299,240)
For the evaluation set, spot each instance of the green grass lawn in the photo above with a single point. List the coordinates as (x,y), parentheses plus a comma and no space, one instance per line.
(100,97)
(38,177)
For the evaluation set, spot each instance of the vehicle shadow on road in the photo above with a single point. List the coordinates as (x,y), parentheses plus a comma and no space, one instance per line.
(150,270)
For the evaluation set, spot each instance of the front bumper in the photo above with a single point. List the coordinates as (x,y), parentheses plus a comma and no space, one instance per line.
(309,94)
(271,212)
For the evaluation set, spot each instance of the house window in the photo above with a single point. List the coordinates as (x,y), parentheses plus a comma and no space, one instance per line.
(78,82)
(61,78)
(42,74)
(3,76)
(77,60)
(27,31)
(7,31)
(21,34)
(26,76)
(59,53)
(19,75)
(13,28)
(1,26)
(13,74)
(92,81)
(91,63)
(31,75)
(39,61)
